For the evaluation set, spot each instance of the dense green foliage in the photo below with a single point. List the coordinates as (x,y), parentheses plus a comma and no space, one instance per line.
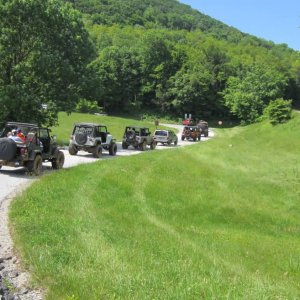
(216,220)
(44,50)
(170,14)
(248,95)
(147,55)
(87,106)
(279,111)
(179,71)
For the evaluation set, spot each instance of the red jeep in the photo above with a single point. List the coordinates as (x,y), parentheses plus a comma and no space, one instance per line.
(188,122)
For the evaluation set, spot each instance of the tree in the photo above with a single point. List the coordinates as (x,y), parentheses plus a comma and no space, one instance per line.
(279,111)
(117,72)
(248,95)
(44,50)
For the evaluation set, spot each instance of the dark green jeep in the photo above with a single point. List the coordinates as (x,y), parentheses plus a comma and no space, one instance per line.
(32,150)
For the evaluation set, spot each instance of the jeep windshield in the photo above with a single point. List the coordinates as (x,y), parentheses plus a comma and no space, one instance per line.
(191,128)
(161,132)
(83,129)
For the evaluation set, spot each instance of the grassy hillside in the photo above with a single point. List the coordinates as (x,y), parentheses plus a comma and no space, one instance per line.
(217,220)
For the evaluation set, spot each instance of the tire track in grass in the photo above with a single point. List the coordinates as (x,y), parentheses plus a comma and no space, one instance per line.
(14,182)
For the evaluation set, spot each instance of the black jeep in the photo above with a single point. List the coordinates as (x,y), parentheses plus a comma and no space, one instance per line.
(138,137)
(203,125)
(30,152)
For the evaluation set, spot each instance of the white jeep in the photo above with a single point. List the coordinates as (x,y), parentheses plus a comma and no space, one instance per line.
(92,138)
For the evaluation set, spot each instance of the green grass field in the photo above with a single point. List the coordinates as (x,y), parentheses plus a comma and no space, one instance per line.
(217,220)
(115,125)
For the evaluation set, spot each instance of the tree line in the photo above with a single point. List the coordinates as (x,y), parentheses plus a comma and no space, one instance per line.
(52,56)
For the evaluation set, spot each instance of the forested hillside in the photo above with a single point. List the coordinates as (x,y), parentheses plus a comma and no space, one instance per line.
(165,56)
(169,14)
(136,56)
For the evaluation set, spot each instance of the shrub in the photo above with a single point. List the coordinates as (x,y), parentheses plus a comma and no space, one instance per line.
(88,106)
(279,111)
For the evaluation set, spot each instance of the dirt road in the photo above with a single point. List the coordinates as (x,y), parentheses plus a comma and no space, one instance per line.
(14,181)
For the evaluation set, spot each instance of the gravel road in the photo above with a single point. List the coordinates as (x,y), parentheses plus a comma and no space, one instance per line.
(14,181)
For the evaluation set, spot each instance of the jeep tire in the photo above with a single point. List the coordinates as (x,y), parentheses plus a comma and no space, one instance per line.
(97,151)
(72,150)
(81,138)
(130,135)
(58,161)
(124,145)
(35,166)
(8,149)
(113,149)
(143,146)
(153,145)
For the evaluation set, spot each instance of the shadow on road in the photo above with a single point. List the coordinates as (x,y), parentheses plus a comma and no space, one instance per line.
(16,172)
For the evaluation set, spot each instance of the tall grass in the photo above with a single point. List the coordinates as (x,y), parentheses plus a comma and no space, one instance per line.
(217,220)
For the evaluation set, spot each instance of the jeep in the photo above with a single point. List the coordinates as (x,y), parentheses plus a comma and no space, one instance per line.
(138,137)
(92,138)
(165,137)
(188,122)
(36,147)
(191,132)
(203,125)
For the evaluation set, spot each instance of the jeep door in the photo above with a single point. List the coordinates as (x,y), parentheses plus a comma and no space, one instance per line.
(45,139)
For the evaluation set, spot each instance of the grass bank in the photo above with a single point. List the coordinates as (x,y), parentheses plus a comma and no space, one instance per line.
(115,125)
(217,220)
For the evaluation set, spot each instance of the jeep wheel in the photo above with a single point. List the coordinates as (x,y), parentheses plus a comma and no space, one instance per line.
(182,138)
(143,146)
(58,161)
(169,143)
(35,166)
(124,145)
(206,134)
(97,151)
(113,149)
(72,150)
(81,138)
(130,135)
(153,145)
(199,137)
(194,139)
(8,149)
(176,142)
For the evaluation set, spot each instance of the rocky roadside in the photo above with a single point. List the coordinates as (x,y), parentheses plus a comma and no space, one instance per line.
(13,280)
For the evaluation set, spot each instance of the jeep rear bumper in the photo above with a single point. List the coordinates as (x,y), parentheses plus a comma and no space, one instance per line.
(14,164)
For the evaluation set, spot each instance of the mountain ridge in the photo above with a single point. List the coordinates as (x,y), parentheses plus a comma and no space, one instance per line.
(170,14)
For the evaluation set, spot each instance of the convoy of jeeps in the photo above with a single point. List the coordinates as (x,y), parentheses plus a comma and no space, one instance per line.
(29,145)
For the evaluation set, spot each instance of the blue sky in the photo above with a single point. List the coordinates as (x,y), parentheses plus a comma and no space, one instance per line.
(275,20)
